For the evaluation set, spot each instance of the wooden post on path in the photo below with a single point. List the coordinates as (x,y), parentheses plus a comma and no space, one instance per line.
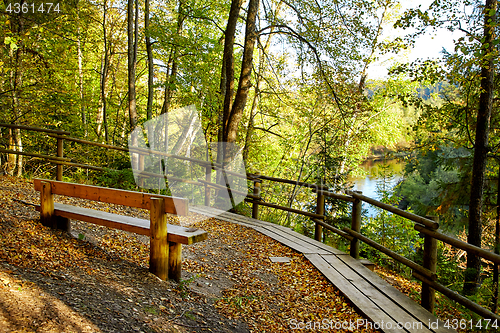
(208,178)
(60,153)
(256,192)
(320,209)
(428,295)
(355,226)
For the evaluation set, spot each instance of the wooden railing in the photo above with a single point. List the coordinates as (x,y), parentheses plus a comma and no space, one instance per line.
(428,226)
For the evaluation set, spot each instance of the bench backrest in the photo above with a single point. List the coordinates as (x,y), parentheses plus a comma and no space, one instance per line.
(173,205)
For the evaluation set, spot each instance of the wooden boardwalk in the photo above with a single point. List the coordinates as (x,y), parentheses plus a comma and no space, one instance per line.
(387,308)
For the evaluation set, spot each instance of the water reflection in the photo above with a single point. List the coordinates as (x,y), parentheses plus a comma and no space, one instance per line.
(374,175)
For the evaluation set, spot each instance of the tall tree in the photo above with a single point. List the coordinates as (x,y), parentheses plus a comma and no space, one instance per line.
(232,116)
(149,50)
(471,68)
(227,74)
(132,32)
(102,116)
(481,148)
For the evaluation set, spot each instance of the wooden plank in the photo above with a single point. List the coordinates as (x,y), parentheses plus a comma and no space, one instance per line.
(176,233)
(360,301)
(288,209)
(274,231)
(173,205)
(398,314)
(405,302)
(285,241)
(289,232)
(91,143)
(78,165)
(158,244)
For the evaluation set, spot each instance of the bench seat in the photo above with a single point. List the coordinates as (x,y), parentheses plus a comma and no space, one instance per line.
(176,233)
(165,240)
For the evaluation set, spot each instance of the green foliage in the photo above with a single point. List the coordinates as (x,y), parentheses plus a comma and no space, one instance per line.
(151,309)
(436,183)
(388,229)
(123,179)
(184,284)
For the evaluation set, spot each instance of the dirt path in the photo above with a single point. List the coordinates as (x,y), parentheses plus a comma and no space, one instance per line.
(96,279)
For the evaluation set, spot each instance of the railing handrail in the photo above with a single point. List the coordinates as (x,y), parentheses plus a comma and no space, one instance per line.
(36,129)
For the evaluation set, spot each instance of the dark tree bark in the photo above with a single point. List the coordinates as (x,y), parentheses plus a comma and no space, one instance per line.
(473,271)
(233,117)
(172,62)
(132,62)
(149,51)
(494,305)
(104,75)
(16,83)
(244,83)
(227,74)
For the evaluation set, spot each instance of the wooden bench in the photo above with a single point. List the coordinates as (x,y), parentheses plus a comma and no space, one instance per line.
(165,239)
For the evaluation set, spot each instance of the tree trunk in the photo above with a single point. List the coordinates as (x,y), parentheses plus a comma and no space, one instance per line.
(236,111)
(131,65)
(104,75)
(149,109)
(16,80)
(473,271)
(11,158)
(227,75)
(131,56)
(80,75)
(497,245)
(172,63)
(257,89)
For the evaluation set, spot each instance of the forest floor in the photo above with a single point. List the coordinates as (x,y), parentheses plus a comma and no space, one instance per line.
(96,279)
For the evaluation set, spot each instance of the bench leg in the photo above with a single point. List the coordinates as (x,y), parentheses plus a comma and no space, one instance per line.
(158,256)
(47,205)
(174,261)
(63,223)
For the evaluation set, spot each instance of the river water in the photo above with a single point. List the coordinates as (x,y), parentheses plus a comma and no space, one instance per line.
(368,183)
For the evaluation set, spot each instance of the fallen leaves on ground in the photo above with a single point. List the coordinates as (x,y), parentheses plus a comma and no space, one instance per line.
(445,309)
(274,297)
(228,281)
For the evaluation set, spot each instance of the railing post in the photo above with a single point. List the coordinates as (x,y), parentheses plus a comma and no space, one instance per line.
(60,153)
(428,296)
(320,209)
(256,192)
(208,178)
(141,168)
(355,226)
